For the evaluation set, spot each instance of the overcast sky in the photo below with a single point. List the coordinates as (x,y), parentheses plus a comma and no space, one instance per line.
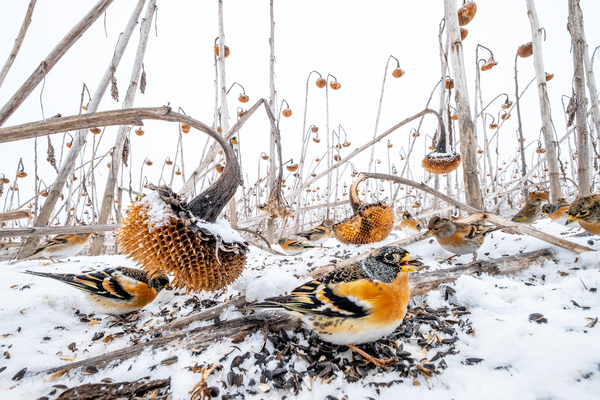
(348,39)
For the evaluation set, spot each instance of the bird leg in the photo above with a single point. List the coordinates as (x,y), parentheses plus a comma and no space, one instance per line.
(377,361)
(450,258)
(474,256)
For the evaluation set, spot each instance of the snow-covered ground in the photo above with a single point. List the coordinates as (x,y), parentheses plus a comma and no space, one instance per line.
(42,326)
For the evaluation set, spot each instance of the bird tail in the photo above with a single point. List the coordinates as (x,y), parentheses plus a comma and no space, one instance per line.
(66,278)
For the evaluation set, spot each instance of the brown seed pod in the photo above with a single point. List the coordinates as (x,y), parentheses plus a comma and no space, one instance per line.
(264,156)
(549,77)
(506,105)
(243,98)
(454,117)
(139,132)
(5,180)
(335,85)
(287,113)
(370,223)
(525,50)
(292,167)
(21,174)
(493,126)
(441,163)
(148,163)
(216,49)
(178,172)
(95,131)
(69,144)
(336,157)
(316,140)
(185,128)
(314,129)
(84,108)
(464,32)
(197,258)
(449,83)
(505,116)
(346,143)
(219,168)
(321,82)
(398,73)
(488,65)
(241,113)
(466,13)
(168,162)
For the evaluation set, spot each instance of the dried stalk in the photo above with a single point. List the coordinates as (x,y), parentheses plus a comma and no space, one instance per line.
(18,42)
(50,61)
(111,181)
(538,64)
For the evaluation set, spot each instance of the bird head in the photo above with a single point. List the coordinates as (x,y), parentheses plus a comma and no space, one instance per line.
(550,208)
(406,215)
(442,227)
(328,223)
(160,282)
(395,255)
(586,208)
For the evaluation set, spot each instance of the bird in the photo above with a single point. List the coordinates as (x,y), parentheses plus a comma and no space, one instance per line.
(408,225)
(558,212)
(117,290)
(319,234)
(531,212)
(457,237)
(357,303)
(60,246)
(586,211)
(294,247)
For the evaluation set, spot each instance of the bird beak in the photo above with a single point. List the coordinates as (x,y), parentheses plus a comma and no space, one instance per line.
(429,232)
(410,263)
(571,219)
(168,287)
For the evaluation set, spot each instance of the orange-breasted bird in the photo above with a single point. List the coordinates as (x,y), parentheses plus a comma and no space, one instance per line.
(586,211)
(115,290)
(457,237)
(319,234)
(531,212)
(354,304)
(558,212)
(409,225)
(294,247)
(60,246)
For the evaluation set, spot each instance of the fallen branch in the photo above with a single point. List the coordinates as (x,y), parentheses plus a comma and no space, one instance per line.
(527,230)
(12,215)
(196,339)
(55,230)
(115,390)
(421,284)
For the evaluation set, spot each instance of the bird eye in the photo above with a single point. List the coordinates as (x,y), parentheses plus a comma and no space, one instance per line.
(389,257)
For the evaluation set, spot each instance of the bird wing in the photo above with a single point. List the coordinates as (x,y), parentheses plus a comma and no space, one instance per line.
(322,296)
(101,283)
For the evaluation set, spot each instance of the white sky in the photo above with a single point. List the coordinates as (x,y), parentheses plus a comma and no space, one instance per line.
(351,40)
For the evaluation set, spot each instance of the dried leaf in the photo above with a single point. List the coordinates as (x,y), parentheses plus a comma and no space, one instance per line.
(114,91)
(50,157)
(143,81)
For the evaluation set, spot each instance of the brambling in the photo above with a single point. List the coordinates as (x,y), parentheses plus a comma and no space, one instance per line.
(319,234)
(117,290)
(60,246)
(531,212)
(558,212)
(358,303)
(294,247)
(408,225)
(457,237)
(586,211)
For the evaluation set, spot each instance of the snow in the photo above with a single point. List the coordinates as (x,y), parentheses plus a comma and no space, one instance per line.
(559,359)
(156,209)
(222,228)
